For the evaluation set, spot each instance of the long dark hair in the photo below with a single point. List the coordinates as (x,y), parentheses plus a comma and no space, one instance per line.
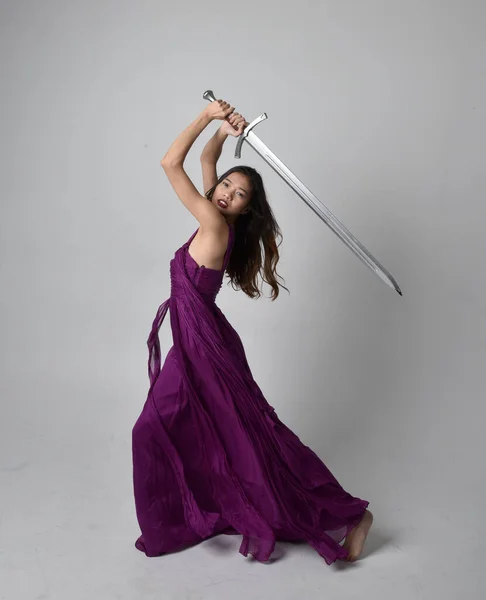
(255,249)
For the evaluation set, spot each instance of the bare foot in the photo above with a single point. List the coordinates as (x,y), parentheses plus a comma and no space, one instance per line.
(355,539)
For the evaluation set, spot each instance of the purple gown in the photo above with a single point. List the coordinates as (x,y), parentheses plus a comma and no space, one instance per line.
(210,454)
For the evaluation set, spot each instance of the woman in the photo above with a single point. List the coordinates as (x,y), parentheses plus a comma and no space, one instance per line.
(210,454)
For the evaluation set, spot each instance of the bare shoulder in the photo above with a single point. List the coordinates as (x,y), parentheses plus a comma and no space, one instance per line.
(209,244)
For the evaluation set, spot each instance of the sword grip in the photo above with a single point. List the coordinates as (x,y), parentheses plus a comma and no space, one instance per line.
(210,97)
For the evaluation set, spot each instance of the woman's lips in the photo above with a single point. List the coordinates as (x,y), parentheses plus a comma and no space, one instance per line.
(223,203)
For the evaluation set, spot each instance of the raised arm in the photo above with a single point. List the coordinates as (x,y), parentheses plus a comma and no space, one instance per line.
(205,212)
(209,158)
(232,125)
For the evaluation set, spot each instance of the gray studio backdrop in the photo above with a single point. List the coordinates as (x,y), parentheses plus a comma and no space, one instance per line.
(379,107)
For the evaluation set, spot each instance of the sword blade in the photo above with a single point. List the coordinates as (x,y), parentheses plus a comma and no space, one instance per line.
(322,211)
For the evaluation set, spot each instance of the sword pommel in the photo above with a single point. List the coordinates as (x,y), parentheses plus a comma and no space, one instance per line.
(208,95)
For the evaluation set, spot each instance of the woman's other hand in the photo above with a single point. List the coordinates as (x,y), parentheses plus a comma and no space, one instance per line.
(234,125)
(219,109)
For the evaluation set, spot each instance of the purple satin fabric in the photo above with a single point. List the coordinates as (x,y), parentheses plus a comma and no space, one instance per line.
(210,454)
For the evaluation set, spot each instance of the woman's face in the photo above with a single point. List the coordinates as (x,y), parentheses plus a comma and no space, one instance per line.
(232,195)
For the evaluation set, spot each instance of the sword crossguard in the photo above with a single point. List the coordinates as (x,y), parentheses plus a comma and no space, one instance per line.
(245,133)
(210,97)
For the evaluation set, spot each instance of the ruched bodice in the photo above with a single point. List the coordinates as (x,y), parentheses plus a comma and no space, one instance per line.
(207,281)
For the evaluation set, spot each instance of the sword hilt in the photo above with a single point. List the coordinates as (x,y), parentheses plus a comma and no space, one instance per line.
(210,97)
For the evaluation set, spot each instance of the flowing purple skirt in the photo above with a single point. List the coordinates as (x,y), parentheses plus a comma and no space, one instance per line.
(210,454)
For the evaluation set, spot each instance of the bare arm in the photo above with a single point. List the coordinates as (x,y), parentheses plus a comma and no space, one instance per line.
(209,158)
(172,163)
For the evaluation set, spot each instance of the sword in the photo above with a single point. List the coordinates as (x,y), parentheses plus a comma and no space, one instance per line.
(309,198)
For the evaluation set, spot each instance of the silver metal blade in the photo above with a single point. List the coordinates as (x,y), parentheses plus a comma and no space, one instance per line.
(322,211)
